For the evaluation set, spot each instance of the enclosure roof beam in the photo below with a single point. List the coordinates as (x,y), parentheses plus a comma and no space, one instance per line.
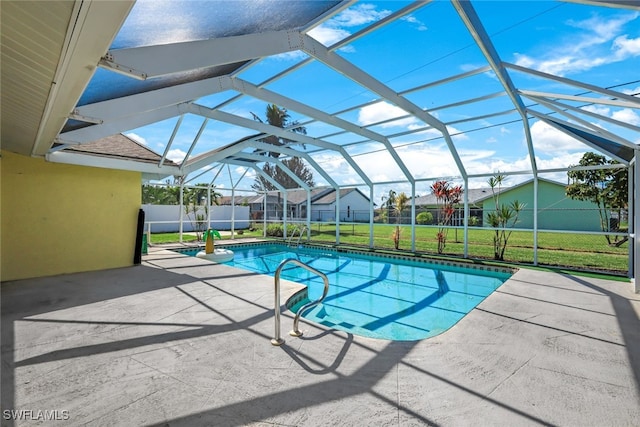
(586,112)
(476,29)
(283,101)
(295,153)
(597,89)
(622,103)
(593,127)
(159,60)
(339,64)
(258,158)
(156,99)
(119,125)
(556,124)
(277,131)
(258,170)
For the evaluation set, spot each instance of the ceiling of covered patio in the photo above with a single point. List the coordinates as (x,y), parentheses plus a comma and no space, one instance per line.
(390,93)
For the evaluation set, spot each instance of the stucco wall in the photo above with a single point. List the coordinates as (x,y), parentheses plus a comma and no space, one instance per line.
(556,211)
(60,218)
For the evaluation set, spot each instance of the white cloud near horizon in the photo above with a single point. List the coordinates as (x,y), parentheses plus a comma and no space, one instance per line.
(137,138)
(176,155)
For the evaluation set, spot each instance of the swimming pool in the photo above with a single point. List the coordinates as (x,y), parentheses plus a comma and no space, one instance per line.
(373,296)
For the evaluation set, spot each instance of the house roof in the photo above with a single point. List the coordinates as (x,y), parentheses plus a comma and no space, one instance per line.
(118,146)
(330,196)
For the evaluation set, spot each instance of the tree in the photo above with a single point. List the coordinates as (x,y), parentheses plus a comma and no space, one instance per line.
(447,196)
(607,188)
(276,116)
(294,164)
(388,202)
(503,217)
(402,200)
(279,117)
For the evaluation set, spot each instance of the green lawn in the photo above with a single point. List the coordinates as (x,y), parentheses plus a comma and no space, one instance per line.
(578,251)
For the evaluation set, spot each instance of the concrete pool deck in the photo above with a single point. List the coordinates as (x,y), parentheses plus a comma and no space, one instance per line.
(181,341)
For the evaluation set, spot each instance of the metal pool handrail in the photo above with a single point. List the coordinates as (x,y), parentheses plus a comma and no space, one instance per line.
(277,340)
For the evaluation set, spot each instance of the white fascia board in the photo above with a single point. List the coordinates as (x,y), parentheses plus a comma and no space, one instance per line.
(111,163)
(91,31)
(159,60)
(148,101)
(95,132)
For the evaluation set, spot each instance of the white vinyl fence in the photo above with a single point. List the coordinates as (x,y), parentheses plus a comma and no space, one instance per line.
(166,218)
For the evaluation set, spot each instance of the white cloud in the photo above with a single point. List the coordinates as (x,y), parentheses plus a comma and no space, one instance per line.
(625,47)
(176,154)
(603,111)
(360,14)
(632,91)
(549,140)
(334,30)
(328,35)
(137,138)
(420,26)
(381,111)
(599,42)
(627,115)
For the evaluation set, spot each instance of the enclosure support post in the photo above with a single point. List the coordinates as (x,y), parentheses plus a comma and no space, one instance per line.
(308,215)
(635,251)
(371,216)
(465,220)
(181,209)
(264,216)
(285,214)
(209,207)
(338,216)
(535,218)
(413,216)
(233,212)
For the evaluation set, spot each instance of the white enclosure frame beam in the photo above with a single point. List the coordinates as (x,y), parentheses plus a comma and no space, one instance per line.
(471,20)
(274,130)
(283,101)
(339,64)
(160,60)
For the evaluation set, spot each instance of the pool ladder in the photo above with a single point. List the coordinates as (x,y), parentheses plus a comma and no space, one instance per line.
(293,234)
(295,332)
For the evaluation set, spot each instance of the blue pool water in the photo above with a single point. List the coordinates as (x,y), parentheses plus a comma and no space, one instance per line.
(374,296)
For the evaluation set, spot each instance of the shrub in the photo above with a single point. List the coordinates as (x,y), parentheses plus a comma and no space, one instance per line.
(424,218)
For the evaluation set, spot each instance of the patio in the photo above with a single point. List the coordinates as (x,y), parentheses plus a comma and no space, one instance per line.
(179,341)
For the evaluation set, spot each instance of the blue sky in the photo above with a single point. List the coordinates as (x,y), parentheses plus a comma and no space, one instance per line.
(597,45)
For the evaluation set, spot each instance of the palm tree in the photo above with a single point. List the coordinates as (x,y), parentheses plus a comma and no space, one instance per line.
(401,200)
(279,117)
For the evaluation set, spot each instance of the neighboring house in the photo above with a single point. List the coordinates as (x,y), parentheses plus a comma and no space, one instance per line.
(354,205)
(556,211)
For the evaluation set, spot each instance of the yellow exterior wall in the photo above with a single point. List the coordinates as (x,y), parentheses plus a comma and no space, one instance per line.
(59,218)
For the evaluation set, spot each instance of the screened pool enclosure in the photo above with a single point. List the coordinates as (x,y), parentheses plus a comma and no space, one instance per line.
(393,97)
